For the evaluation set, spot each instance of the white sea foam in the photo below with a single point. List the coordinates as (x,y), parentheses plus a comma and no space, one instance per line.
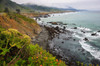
(84,28)
(91,37)
(93,51)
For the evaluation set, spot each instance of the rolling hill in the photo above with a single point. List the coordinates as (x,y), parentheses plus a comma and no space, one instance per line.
(41,8)
(12,6)
(48,9)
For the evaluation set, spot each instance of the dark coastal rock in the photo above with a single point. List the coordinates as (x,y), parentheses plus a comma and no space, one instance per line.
(98,31)
(75,28)
(64,28)
(82,50)
(83,53)
(95,62)
(68,49)
(62,41)
(93,34)
(37,18)
(54,23)
(74,39)
(82,31)
(86,39)
(64,24)
(65,38)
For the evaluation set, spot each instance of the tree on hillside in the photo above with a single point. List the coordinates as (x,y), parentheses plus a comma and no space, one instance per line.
(6,10)
(18,11)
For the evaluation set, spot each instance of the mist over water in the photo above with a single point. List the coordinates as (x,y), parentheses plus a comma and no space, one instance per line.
(89,22)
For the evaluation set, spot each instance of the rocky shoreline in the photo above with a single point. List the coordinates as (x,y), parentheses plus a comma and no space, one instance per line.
(49,32)
(46,35)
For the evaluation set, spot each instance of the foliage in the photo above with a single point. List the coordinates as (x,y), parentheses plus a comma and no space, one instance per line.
(42,8)
(38,57)
(11,42)
(12,6)
(19,18)
(1,29)
(18,11)
(6,10)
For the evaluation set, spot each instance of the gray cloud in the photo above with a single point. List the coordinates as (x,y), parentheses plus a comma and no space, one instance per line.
(79,4)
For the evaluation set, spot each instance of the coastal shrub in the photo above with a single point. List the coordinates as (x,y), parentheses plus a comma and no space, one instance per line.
(1,29)
(19,18)
(13,51)
(39,57)
(25,18)
(11,40)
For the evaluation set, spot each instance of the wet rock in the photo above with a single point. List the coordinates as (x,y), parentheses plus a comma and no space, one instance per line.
(75,28)
(79,49)
(65,38)
(98,31)
(83,53)
(82,50)
(68,49)
(64,24)
(54,23)
(86,39)
(74,39)
(58,37)
(95,61)
(93,34)
(62,41)
(64,29)
(82,31)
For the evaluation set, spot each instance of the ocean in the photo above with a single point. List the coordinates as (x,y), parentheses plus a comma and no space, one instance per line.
(87,23)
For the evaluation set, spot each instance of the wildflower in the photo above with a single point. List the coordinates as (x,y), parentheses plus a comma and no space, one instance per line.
(32,57)
(40,52)
(37,57)
(45,57)
(40,65)
(58,63)
(57,60)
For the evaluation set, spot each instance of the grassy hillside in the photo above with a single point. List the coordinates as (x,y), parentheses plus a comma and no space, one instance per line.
(23,24)
(12,6)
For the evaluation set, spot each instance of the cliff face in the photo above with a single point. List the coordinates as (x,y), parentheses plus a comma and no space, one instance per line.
(21,23)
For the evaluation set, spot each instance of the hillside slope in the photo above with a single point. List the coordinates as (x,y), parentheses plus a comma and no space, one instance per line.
(21,23)
(41,8)
(12,6)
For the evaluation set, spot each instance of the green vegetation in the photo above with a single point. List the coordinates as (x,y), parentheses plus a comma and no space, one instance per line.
(42,8)
(12,6)
(6,10)
(16,50)
(19,18)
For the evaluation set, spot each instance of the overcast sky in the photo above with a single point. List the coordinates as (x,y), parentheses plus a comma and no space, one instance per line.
(78,4)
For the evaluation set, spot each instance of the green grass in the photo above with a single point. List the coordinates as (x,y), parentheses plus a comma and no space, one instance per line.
(25,18)
(19,17)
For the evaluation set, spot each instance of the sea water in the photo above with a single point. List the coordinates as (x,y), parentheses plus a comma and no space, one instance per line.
(80,50)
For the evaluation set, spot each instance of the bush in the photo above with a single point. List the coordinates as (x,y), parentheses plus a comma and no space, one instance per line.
(11,47)
(19,18)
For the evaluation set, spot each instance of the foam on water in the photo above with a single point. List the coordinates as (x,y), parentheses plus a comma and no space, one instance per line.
(84,28)
(93,51)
